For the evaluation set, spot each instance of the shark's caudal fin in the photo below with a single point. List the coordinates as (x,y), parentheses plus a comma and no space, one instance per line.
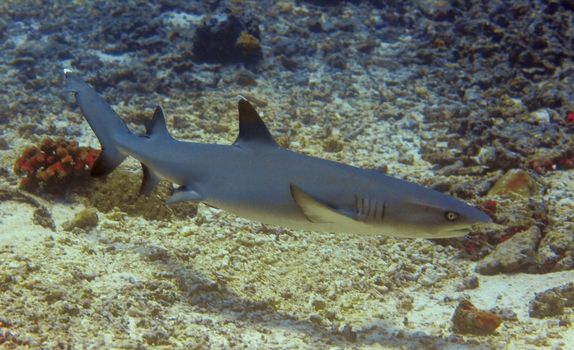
(107,125)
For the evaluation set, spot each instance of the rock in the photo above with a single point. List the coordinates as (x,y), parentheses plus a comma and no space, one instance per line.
(288,62)
(346,330)
(155,253)
(505,313)
(318,303)
(552,301)
(469,283)
(332,145)
(225,38)
(249,46)
(437,10)
(245,79)
(505,158)
(515,254)
(515,182)
(43,218)
(85,219)
(541,116)
(467,319)
(156,336)
(556,250)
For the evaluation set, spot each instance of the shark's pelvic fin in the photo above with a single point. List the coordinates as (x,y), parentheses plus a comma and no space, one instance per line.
(156,127)
(251,127)
(316,211)
(184,193)
(149,181)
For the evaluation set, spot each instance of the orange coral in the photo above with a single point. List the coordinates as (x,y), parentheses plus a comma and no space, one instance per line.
(53,162)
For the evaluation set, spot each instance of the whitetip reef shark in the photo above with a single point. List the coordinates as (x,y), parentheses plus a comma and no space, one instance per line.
(256,179)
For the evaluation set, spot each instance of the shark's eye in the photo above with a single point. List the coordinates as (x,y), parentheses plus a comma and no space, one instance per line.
(450,215)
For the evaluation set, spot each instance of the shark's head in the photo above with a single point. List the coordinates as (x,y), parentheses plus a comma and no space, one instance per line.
(433,215)
(403,210)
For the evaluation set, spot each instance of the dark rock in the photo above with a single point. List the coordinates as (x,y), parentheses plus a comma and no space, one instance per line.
(438,10)
(469,283)
(367,46)
(288,62)
(155,253)
(324,2)
(87,63)
(225,38)
(347,332)
(337,61)
(314,26)
(245,78)
(43,218)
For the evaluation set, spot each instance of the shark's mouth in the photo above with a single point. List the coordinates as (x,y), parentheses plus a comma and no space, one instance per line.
(459,230)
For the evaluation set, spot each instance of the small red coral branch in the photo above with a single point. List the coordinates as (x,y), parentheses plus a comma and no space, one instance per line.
(54,161)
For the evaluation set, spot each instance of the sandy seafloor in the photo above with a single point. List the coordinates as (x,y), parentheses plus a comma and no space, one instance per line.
(205,280)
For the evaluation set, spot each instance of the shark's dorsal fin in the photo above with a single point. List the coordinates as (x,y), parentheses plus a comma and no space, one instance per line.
(316,211)
(251,127)
(156,127)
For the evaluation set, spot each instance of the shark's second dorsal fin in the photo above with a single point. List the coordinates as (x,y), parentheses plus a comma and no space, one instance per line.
(157,127)
(251,127)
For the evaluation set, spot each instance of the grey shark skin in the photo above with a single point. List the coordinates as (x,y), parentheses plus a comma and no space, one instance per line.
(256,179)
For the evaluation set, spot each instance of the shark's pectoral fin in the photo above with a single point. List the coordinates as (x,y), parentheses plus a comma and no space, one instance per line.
(184,193)
(150,180)
(316,211)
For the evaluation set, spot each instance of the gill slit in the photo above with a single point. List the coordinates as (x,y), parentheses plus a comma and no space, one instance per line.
(369,209)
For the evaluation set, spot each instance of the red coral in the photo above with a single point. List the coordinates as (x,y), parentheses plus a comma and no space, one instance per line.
(490,208)
(54,161)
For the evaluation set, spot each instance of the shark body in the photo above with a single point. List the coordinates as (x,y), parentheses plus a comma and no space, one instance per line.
(256,179)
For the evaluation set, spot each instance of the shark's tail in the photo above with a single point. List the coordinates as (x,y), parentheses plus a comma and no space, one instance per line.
(107,125)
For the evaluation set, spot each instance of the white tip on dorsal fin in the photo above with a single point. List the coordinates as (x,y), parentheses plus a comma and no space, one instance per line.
(251,127)
(314,210)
